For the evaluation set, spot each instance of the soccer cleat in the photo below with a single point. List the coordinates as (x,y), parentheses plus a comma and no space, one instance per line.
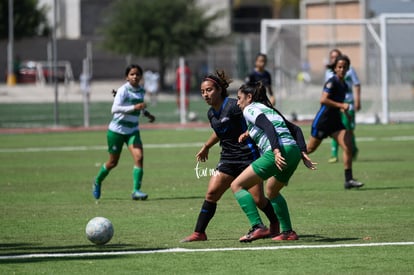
(353,184)
(257,232)
(333,160)
(274,229)
(195,237)
(96,190)
(138,195)
(286,236)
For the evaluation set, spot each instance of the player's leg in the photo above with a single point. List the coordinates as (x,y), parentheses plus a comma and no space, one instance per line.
(343,137)
(217,185)
(334,151)
(351,127)
(115,142)
(246,180)
(265,205)
(137,152)
(313,144)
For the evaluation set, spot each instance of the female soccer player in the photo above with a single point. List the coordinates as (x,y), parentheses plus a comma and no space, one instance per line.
(352,97)
(328,119)
(282,146)
(228,124)
(128,105)
(260,74)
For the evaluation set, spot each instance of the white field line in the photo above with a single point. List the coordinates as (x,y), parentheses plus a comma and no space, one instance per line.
(164,145)
(186,250)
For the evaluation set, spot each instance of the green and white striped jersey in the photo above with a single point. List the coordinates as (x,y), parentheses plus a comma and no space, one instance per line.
(251,112)
(125,117)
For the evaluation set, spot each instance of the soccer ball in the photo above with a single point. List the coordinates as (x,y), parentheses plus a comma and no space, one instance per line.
(99,230)
(192,116)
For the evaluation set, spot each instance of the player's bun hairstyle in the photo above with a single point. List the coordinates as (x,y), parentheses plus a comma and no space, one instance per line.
(341,58)
(258,92)
(220,81)
(133,66)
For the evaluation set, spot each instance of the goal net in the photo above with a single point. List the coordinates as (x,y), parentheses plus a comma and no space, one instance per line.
(380,53)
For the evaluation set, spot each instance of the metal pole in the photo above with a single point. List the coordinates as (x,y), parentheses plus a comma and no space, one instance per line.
(384,71)
(11,78)
(182,91)
(54,62)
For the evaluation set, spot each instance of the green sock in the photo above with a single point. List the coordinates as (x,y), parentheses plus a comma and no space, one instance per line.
(334,148)
(137,173)
(282,212)
(247,204)
(354,147)
(103,172)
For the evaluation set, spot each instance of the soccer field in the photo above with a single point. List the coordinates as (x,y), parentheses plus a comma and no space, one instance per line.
(46,202)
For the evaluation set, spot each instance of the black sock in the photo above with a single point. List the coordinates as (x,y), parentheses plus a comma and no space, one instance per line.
(348,174)
(207,212)
(270,212)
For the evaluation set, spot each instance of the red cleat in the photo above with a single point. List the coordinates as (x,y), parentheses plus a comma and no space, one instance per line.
(286,236)
(258,232)
(195,237)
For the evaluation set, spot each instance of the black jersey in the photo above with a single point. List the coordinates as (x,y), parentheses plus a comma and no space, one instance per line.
(263,77)
(328,119)
(228,124)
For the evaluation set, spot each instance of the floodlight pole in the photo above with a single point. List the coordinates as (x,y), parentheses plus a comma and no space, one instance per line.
(11,78)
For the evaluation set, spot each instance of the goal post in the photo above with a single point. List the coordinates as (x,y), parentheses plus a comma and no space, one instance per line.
(298,50)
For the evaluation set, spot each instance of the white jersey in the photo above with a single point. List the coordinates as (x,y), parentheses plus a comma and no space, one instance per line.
(125,117)
(251,112)
(151,80)
(351,79)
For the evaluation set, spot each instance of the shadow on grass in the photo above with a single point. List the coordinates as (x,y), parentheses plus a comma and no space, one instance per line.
(319,238)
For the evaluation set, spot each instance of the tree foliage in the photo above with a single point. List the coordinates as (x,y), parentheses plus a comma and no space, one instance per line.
(29,19)
(156,28)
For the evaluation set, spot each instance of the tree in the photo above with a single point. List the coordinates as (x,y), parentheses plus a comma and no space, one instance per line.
(157,28)
(29,19)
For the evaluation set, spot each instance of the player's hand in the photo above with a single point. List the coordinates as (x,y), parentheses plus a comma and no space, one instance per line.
(345,107)
(308,162)
(279,160)
(243,137)
(202,155)
(140,106)
(151,118)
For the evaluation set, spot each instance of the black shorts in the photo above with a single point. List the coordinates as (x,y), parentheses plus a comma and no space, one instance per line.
(233,169)
(325,127)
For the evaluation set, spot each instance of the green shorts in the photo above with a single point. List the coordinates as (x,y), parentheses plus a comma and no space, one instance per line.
(348,120)
(116,141)
(265,166)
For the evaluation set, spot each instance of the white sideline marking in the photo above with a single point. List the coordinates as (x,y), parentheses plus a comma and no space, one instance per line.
(164,145)
(186,250)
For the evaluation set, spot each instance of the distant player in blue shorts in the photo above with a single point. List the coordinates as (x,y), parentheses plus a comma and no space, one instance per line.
(328,120)
(352,97)
(126,109)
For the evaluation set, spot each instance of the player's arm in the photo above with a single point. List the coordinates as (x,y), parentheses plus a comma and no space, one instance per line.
(202,155)
(263,123)
(118,107)
(331,103)
(150,117)
(357,97)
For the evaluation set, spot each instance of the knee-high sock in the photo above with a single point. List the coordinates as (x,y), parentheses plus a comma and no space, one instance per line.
(270,212)
(208,209)
(282,212)
(334,148)
(103,172)
(247,204)
(137,173)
